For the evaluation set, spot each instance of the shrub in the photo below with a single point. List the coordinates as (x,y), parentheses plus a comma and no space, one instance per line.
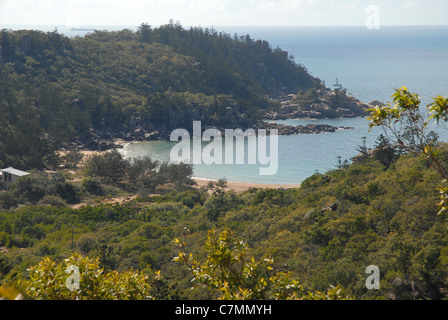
(222,183)
(54,201)
(230,274)
(221,202)
(80,278)
(110,166)
(73,158)
(93,186)
(139,167)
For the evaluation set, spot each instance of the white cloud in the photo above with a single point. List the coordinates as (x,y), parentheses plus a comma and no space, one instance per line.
(268,6)
(411,4)
(219,12)
(280,6)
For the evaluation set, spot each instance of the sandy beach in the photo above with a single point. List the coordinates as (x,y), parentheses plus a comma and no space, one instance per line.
(243,186)
(231,185)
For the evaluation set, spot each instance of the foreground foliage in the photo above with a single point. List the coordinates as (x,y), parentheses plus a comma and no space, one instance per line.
(409,127)
(229,274)
(50,280)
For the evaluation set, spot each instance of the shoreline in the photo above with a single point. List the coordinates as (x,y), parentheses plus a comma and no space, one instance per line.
(202,182)
(244,186)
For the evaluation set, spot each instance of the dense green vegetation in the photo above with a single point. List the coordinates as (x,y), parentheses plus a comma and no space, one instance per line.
(108,174)
(380,210)
(53,89)
(325,233)
(86,280)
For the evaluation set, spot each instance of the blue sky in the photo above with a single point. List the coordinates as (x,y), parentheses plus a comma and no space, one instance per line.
(221,12)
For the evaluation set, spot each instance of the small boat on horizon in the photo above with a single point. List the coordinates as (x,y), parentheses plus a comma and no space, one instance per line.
(81,29)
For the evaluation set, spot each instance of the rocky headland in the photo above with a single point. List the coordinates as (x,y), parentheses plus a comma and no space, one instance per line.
(288,130)
(323,104)
(97,140)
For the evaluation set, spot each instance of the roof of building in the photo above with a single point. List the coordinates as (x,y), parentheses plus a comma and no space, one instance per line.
(15,172)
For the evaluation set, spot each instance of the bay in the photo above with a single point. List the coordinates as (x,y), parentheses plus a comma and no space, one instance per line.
(368,63)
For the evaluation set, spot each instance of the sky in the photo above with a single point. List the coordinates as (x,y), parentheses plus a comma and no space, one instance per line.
(78,13)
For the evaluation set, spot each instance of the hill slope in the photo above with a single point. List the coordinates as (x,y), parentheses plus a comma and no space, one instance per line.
(326,233)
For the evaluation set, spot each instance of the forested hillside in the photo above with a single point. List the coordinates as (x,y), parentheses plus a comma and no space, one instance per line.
(53,89)
(373,212)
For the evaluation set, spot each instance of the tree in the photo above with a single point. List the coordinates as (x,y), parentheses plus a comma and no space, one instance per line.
(342,164)
(222,183)
(384,152)
(32,187)
(220,202)
(110,166)
(138,167)
(363,151)
(178,173)
(7,47)
(405,124)
(73,158)
(93,186)
(144,30)
(230,274)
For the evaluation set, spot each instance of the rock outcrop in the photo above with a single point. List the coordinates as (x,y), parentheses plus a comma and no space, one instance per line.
(287,130)
(331,104)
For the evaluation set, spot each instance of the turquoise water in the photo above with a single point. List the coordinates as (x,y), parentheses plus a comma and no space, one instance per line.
(368,63)
(299,156)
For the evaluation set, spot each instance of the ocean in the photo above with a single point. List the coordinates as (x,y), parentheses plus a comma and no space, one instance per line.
(368,63)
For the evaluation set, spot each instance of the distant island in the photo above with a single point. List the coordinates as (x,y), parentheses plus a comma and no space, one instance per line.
(82,29)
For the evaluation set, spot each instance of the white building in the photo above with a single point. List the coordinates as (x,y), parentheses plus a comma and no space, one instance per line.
(11,175)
